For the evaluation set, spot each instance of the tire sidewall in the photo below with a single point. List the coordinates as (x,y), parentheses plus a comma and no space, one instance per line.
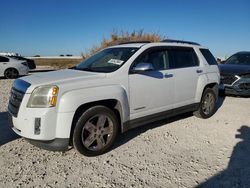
(203,115)
(77,134)
(12,76)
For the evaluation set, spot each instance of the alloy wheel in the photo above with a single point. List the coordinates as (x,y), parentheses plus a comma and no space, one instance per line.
(208,103)
(11,73)
(97,132)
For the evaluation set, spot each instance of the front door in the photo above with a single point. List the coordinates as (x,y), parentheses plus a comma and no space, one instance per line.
(151,91)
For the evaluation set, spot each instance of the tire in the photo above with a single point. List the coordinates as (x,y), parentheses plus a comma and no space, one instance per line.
(222,93)
(95,131)
(11,73)
(207,106)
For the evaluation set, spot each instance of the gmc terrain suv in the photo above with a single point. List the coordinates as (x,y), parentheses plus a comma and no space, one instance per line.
(119,88)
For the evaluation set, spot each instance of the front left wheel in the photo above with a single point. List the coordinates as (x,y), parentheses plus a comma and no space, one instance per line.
(95,131)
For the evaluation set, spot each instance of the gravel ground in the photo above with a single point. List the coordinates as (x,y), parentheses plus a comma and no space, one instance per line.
(182,152)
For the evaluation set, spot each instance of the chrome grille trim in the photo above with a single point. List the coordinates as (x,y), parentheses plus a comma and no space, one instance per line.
(229,80)
(16,96)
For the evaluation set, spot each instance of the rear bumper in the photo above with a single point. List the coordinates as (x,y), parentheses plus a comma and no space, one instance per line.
(24,70)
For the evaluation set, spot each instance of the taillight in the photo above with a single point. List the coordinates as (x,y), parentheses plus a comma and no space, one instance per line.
(25,64)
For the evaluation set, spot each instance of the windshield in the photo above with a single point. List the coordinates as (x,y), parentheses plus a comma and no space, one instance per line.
(107,60)
(239,59)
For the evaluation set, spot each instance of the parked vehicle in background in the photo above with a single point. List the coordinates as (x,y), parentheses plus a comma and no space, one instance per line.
(119,88)
(9,54)
(235,74)
(12,68)
(30,62)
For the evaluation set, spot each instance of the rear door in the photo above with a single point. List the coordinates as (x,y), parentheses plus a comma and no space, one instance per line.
(184,64)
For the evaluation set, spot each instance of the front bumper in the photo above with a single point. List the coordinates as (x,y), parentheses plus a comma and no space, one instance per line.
(230,90)
(57,144)
(240,87)
(43,127)
(51,132)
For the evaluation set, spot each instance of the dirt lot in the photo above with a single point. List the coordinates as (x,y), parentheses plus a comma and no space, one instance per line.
(180,152)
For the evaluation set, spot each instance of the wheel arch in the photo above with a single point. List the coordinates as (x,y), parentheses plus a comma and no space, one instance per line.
(214,86)
(8,68)
(113,104)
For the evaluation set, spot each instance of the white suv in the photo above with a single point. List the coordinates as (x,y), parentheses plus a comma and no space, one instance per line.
(119,88)
(12,68)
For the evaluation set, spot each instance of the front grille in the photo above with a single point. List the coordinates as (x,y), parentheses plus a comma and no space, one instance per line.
(16,96)
(244,86)
(228,79)
(15,101)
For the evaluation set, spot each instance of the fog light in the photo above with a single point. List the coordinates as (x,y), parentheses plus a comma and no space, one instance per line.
(37,129)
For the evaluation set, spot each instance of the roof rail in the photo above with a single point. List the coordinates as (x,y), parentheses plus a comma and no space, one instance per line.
(131,42)
(180,41)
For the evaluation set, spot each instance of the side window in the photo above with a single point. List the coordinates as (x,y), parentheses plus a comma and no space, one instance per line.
(208,56)
(157,57)
(244,59)
(247,60)
(182,57)
(3,59)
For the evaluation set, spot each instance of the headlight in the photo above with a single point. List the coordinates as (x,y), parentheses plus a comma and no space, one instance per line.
(43,97)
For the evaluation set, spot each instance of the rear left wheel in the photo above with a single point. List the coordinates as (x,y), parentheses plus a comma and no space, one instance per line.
(11,73)
(95,131)
(207,106)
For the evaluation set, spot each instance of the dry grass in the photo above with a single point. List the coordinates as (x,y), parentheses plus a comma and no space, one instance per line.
(57,63)
(123,36)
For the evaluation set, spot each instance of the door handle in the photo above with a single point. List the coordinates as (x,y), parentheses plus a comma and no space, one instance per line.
(168,75)
(199,71)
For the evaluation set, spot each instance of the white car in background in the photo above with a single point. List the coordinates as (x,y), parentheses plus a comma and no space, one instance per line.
(12,68)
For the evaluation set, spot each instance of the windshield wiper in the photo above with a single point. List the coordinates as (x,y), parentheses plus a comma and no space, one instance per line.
(84,69)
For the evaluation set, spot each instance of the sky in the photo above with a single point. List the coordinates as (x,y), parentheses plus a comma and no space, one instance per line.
(54,27)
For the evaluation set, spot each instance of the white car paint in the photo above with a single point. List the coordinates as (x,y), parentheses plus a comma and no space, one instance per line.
(13,63)
(137,95)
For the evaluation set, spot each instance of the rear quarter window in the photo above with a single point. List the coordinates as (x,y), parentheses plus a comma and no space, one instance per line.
(208,56)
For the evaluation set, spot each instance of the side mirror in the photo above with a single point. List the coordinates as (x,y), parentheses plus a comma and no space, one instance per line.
(142,67)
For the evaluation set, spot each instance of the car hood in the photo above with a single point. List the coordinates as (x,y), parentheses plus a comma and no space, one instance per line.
(234,69)
(61,77)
